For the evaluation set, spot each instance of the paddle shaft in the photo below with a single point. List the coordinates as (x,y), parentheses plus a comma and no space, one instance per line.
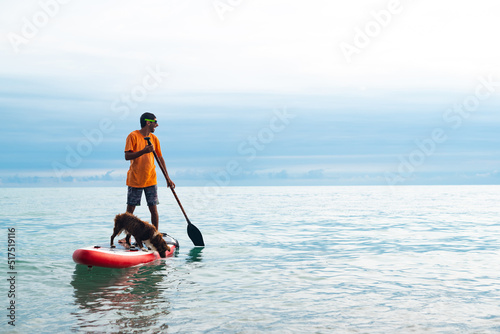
(192,231)
(166,178)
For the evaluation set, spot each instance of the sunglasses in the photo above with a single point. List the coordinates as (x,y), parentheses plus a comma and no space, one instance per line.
(151,120)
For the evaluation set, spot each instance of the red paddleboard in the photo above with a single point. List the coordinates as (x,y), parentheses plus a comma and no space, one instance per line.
(119,257)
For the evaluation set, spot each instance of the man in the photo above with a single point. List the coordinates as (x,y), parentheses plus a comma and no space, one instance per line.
(142,174)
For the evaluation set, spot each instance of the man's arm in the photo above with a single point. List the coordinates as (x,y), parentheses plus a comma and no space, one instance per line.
(130,155)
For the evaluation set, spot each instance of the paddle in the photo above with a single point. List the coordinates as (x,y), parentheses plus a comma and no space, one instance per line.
(192,231)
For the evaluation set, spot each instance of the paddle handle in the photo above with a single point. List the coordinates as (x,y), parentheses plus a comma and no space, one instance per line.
(166,178)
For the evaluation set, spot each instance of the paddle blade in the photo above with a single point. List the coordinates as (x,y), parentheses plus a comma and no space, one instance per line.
(195,235)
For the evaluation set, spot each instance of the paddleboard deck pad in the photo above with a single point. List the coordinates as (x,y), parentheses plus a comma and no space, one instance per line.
(121,256)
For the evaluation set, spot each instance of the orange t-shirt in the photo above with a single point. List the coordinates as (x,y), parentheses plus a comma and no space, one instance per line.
(142,171)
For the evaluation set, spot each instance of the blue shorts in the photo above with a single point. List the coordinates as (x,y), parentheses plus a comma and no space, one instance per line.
(134,195)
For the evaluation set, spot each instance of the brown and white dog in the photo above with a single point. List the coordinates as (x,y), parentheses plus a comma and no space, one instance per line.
(142,231)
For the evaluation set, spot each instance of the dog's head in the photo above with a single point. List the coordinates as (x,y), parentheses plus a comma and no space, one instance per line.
(161,246)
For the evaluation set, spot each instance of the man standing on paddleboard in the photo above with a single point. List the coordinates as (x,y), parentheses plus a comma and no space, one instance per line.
(141,175)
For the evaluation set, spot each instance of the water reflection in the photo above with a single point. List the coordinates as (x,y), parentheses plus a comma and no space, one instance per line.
(121,299)
(195,255)
(132,299)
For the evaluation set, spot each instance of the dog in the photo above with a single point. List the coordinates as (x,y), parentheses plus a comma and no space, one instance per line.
(142,231)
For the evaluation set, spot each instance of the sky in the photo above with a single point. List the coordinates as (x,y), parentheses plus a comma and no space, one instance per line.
(262,92)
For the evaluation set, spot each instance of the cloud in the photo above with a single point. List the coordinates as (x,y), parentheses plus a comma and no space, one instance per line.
(260,48)
(44,179)
(89,63)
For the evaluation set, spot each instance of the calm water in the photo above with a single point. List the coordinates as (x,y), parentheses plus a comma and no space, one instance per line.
(277,260)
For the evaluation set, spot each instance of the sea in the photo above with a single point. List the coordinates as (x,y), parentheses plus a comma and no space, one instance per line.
(353,259)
